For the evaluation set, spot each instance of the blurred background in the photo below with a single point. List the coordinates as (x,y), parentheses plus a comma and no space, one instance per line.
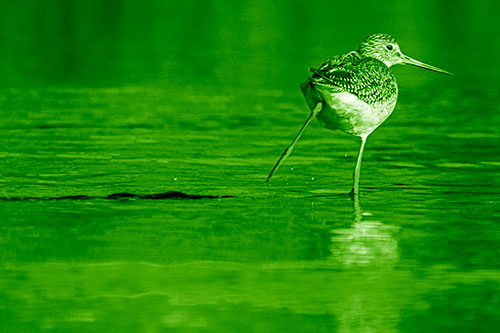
(99,97)
(248,43)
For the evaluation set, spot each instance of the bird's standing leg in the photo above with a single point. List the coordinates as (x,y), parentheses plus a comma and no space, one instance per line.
(355,186)
(289,150)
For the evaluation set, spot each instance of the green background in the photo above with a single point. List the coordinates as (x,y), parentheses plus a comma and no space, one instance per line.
(201,97)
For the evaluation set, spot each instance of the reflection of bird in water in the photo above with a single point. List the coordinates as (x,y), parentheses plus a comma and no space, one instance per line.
(355,92)
(367,242)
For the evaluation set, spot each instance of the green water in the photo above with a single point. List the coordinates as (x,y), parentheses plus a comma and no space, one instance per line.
(201,98)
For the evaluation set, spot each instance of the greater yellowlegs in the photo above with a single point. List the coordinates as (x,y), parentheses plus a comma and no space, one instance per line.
(355,92)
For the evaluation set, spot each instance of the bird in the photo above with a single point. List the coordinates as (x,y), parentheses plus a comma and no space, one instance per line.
(355,92)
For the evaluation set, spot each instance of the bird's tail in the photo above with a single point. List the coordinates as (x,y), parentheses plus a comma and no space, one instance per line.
(305,85)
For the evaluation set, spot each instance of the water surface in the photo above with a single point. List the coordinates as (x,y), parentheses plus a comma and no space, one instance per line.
(416,253)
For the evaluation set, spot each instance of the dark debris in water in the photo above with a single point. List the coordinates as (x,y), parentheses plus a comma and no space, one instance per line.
(173,195)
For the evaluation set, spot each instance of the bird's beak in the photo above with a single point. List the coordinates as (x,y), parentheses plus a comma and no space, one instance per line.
(411,61)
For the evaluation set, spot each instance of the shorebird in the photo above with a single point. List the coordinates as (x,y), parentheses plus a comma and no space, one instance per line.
(355,92)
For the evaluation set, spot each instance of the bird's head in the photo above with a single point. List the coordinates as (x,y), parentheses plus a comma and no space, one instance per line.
(386,49)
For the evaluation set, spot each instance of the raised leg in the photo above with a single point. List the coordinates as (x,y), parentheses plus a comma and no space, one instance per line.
(289,150)
(355,186)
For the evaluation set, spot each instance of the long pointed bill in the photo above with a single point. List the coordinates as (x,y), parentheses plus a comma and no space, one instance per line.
(411,61)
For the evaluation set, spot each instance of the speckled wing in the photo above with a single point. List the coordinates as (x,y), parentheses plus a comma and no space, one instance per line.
(367,78)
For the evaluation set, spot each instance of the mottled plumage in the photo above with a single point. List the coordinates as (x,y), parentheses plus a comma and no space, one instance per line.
(368,79)
(355,92)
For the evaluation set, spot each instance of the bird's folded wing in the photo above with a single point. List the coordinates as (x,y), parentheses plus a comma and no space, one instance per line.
(337,72)
(367,78)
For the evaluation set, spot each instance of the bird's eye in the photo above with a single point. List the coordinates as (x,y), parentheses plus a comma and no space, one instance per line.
(389,47)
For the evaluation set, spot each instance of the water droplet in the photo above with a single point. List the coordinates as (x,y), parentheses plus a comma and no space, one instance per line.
(291,169)
(312,178)
(175,179)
